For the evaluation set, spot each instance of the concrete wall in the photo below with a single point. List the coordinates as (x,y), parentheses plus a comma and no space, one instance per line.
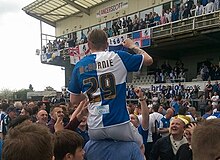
(82,20)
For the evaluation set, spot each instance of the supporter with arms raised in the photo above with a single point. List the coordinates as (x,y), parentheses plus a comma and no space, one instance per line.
(102,77)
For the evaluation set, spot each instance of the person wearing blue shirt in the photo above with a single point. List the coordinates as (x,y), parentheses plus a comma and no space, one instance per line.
(110,149)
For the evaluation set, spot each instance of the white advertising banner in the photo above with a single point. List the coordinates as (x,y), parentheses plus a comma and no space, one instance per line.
(187,85)
(117,40)
(111,9)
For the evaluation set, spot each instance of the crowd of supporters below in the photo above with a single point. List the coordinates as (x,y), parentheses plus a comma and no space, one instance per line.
(163,106)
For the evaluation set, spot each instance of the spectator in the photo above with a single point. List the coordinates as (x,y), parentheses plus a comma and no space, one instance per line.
(11,114)
(26,111)
(209,7)
(56,112)
(208,88)
(216,111)
(194,95)
(135,23)
(192,114)
(75,119)
(41,105)
(19,120)
(82,130)
(142,121)
(42,117)
(130,24)
(165,122)
(181,9)
(175,105)
(166,148)
(187,10)
(175,14)
(153,132)
(185,150)
(206,140)
(3,108)
(216,5)
(68,145)
(110,32)
(18,143)
(163,18)
(110,149)
(202,103)
(142,24)
(124,24)
(217,72)
(156,19)
(208,112)
(83,38)
(151,20)
(216,87)
(204,2)
(215,99)
(115,28)
(168,14)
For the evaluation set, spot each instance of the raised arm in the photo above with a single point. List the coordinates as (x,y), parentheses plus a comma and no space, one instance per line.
(144,108)
(75,99)
(128,43)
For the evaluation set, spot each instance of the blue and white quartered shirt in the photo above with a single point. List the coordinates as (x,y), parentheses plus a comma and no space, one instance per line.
(102,75)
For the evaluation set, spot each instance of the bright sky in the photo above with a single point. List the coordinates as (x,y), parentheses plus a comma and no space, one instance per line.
(19,39)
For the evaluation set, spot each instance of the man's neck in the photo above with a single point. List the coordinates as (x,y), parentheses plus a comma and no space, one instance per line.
(94,50)
(177,137)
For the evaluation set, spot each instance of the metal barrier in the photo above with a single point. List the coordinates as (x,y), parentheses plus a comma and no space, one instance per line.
(188,25)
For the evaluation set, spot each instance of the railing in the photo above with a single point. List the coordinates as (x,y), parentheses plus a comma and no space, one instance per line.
(205,22)
(188,25)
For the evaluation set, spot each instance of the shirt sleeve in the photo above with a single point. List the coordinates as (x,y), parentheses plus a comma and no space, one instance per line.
(132,62)
(72,125)
(74,86)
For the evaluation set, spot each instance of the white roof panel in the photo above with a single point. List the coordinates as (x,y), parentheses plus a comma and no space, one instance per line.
(51,11)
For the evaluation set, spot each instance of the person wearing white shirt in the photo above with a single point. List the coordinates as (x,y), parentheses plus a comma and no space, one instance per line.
(209,7)
(216,5)
(215,99)
(199,9)
(152,118)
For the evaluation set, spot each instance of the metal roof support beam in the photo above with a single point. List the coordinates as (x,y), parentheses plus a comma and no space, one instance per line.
(85,10)
(42,19)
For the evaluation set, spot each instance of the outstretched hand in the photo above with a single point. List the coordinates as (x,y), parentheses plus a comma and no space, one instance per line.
(128,43)
(81,110)
(139,92)
(58,126)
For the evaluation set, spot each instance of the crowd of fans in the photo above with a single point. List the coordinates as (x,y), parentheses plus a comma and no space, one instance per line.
(191,104)
(186,8)
(174,114)
(168,74)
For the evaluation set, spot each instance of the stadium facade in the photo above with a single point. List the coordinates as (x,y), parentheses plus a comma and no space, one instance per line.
(193,41)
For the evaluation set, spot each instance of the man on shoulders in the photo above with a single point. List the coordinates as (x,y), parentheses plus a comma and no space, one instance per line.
(101,77)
